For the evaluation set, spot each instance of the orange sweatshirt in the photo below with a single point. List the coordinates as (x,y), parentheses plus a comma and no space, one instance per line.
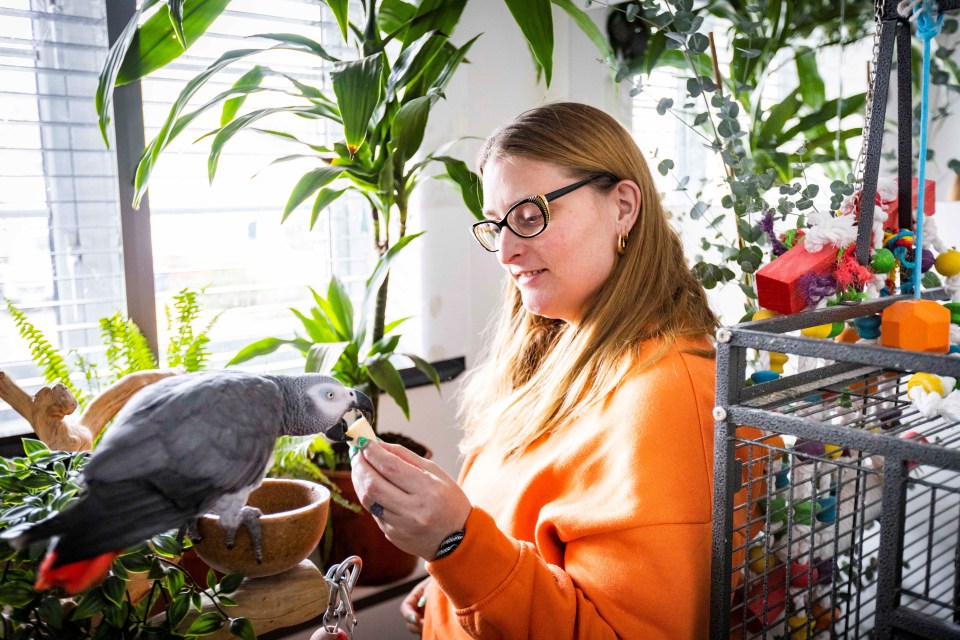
(602,530)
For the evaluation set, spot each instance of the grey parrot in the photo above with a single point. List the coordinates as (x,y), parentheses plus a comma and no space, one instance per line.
(182,447)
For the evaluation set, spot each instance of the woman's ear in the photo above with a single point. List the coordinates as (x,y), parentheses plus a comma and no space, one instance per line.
(629,201)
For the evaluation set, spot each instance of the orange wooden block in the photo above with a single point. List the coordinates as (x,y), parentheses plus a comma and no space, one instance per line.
(917,325)
(778,282)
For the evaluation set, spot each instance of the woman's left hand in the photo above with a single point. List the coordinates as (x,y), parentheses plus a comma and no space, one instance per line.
(418,504)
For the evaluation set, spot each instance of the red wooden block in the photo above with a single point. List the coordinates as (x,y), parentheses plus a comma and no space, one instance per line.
(778,282)
(929,203)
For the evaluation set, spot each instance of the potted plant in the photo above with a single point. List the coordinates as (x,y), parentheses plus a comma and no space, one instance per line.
(148,594)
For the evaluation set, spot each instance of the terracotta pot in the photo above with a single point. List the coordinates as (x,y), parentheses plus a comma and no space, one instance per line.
(357,534)
(294,517)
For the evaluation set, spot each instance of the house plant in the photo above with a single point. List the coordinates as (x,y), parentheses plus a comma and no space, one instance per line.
(766,148)
(143,580)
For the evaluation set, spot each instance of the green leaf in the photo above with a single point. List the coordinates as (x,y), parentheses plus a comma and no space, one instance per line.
(16,594)
(428,369)
(114,589)
(205,624)
(387,378)
(322,357)
(249,80)
(325,197)
(357,85)
(309,184)
(155,44)
(177,609)
(808,76)
(175,8)
(92,602)
(32,446)
(390,326)
(231,582)
(243,628)
(226,133)
(303,43)
(467,182)
(535,19)
(412,61)
(111,68)
(588,26)
(776,118)
(408,127)
(258,348)
(340,9)
(342,307)
(429,15)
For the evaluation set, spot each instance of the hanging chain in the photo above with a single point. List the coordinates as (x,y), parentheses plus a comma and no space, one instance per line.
(871,82)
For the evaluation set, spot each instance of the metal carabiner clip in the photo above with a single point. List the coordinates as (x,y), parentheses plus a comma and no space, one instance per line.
(339,619)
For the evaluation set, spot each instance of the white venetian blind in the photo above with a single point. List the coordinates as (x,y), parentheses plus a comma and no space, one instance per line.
(60,254)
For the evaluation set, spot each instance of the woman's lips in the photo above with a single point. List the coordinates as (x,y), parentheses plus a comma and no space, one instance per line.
(526,277)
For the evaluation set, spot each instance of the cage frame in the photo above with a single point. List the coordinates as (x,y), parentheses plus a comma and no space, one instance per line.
(730,412)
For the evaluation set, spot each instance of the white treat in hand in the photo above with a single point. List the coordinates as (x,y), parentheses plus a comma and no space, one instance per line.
(361,429)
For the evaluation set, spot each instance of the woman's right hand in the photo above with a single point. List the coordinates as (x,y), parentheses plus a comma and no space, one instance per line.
(412,607)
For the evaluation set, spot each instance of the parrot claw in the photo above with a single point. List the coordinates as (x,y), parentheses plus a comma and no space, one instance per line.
(249,518)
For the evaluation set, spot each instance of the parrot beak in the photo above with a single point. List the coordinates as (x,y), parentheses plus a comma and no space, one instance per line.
(363,404)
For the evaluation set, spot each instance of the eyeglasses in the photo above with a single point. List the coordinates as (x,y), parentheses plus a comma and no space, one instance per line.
(527,218)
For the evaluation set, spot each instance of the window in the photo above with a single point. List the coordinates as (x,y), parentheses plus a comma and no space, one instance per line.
(61,254)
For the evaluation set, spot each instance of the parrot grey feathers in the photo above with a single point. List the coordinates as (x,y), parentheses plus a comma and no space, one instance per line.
(182,444)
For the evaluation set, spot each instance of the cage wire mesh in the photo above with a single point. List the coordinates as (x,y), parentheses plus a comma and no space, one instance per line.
(836,494)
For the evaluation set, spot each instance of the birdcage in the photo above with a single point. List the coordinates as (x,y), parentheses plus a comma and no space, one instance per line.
(837,496)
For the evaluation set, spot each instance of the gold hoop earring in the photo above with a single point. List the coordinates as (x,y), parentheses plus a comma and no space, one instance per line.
(622,243)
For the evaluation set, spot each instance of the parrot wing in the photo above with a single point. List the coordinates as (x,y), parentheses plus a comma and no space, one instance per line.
(208,433)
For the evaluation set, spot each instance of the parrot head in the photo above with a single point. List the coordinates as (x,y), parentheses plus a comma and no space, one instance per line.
(330,401)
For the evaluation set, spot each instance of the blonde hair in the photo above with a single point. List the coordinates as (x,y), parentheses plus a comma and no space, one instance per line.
(538,373)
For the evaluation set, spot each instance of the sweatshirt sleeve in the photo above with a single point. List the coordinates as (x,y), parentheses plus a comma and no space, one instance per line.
(501,588)
(623,543)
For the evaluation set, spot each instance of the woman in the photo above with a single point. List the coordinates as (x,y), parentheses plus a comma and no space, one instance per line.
(583,508)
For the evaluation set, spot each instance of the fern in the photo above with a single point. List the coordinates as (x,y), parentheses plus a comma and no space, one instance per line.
(44,354)
(186,349)
(127,348)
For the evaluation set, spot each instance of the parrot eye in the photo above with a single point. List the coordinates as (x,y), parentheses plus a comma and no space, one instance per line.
(330,395)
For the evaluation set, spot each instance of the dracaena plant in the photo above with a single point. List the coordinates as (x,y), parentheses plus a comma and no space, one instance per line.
(336,340)
(382,95)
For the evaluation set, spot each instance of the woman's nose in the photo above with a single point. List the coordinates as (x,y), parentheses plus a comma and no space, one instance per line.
(511,246)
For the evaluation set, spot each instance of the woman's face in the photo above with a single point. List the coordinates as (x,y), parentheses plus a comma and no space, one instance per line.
(560,271)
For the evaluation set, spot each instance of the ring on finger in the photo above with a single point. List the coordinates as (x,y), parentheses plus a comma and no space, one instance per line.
(377,510)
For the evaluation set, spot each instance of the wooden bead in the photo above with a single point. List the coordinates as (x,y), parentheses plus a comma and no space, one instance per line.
(948,263)
(916,325)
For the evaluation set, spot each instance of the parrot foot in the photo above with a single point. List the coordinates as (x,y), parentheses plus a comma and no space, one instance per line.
(190,530)
(249,518)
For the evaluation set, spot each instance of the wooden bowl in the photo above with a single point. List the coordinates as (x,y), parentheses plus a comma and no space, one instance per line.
(294,516)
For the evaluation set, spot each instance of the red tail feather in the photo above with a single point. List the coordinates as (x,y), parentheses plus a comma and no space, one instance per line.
(76,576)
